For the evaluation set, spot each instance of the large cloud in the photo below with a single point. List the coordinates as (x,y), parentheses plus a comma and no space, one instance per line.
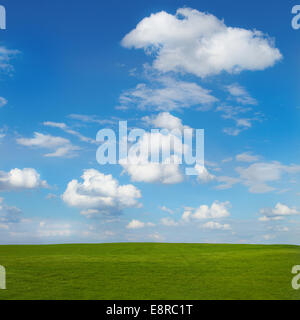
(18,179)
(201,44)
(100,194)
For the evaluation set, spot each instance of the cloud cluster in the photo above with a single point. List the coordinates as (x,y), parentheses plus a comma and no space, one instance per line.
(100,194)
(199,43)
(212,225)
(279,212)
(217,210)
(20,179)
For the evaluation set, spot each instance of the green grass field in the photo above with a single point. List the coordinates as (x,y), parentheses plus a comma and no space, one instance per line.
(149,271)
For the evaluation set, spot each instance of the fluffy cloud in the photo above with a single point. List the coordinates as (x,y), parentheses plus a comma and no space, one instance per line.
(217,210)
(140,167)
(278,213)
(18,179)
(167,94)
(165,120)
(154,173)
(136,224)
(201,44)
(100,194)
(216,226)
(61,147)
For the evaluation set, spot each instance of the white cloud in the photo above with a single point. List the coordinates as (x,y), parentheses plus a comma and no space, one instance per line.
(140,167)
(268,237)
(168,222)
(54,230)
(3,102)
(9,214)
(201,44)
(92,119)
(278,213)
(18,179)
(100,194)
(246,157)
(167,94)
(226,182)
(227,160)
(51,196)
(216,226)
(217,210)
(6,55)
(67,129)
(165,120)
(165,209)
(203,175)
(257,175)
(136,224)
(156,236)
(241,95)
(242,116)
(61,147)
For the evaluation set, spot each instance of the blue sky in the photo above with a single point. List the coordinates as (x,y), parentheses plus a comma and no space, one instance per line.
(68,71)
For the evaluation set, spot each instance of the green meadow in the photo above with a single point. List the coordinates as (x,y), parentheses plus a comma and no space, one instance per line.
(149,271)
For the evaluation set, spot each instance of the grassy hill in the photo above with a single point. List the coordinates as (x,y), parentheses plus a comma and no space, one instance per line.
(149,271)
